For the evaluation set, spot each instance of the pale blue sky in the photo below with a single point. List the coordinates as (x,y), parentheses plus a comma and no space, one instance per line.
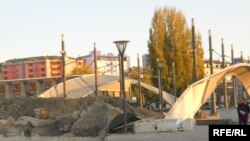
(33,27)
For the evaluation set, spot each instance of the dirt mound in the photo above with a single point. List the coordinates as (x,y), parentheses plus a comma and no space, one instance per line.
(58,116)
(55,107)
(145,112)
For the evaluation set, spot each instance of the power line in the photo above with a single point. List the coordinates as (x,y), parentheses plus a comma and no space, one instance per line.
(220,54)
(227,56)
(217,53)
(206,51)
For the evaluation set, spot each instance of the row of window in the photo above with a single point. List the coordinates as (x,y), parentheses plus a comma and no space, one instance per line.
(217,65)
(36,70)
(31,64)
(31,86)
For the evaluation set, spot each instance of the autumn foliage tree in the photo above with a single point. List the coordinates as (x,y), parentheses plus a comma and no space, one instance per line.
(84,69)
(170,41)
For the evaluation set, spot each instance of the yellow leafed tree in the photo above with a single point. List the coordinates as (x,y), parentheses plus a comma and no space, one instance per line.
(84,69)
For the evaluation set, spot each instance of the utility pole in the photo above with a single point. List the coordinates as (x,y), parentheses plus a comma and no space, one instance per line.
(194,53)
(159,83)
(213,110)
(160,65)
(161,100)
(233,79)
(174,81)
(63,52)
(95,58)
(224,80)
(139,79)
(241,61)
(241,57)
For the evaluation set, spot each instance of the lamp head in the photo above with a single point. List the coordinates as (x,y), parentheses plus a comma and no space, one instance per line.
(121,46)
(160,64)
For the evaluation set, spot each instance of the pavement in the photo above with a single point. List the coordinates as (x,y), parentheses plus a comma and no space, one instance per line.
(200,133)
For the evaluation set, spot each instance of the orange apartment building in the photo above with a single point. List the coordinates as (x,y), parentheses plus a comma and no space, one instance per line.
(35,67)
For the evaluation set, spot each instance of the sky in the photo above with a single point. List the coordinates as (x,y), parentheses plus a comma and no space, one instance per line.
(33,27)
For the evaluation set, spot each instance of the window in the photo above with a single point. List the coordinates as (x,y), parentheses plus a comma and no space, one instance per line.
(2,89)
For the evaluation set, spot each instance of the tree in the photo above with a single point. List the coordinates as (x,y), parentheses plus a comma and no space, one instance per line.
(156,44)
(145,74)
(200,55)
(170,41)
(84,69)
(146,78)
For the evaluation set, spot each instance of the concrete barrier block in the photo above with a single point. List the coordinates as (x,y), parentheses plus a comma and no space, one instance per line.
(188,124)
(169,125)
(144,126)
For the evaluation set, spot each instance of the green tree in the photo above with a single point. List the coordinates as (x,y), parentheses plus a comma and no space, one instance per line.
(200,60)
(145,74)
(84,69)
(146,78)
(170,41)
(156,44)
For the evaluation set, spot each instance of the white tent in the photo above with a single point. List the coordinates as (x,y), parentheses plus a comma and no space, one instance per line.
(85,85)
(197,94)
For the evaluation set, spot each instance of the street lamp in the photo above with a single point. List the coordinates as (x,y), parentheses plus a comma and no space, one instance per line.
(160,66)
(63,52)
(121,46)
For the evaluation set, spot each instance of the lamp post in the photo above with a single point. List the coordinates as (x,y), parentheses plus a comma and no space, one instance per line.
(139,79)
(160,65)
(63,52)
(121,46)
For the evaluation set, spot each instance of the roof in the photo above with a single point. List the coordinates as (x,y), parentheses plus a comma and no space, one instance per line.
(35,58)
(85,85)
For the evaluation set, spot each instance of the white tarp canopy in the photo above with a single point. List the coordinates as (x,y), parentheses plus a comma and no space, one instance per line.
(79,86)
(197,94)
(84,85)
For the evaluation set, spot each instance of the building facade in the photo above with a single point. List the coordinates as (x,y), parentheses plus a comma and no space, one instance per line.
(35,67)
(216,66)
(28,87)
(145,60)
(106,64)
